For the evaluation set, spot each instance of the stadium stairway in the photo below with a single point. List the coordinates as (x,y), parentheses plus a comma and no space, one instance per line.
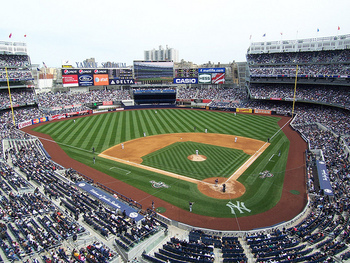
(247,250)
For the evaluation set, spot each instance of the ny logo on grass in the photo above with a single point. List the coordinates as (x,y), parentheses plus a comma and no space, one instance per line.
(239,206)
(158,184)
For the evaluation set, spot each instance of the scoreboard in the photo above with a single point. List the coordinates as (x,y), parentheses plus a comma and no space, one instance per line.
(186,73)
(120,73)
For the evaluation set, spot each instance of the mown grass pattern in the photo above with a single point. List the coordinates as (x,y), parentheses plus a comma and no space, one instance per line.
(220,162)
(106,130)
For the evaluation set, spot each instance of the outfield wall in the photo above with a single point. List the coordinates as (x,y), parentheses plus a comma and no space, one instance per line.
(235,233)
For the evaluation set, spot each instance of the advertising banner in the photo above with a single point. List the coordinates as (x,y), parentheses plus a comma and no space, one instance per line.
(101,79)
(218,78)
(244,110)
(101,71)
(77,113)
(85,71)
(259,111)
(211,70)
(40,120)
(24,124)
(105,103)
(183,100)
(117,81)
(69,71)
(86,80)
(110,200)
(57,117)
(323,177)
(204,78)
(70,80)
(185,81)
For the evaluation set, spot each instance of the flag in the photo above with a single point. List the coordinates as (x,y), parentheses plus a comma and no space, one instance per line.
(281,33)
(250,37)
(38,69)
(264,35)
(338,27)
(10,35)
(318,30)
(25,35)
(44,64)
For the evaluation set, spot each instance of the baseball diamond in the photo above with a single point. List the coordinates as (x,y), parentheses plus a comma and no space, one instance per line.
(212,207)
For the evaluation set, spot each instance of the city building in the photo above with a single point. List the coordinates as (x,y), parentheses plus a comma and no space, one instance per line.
(161,54)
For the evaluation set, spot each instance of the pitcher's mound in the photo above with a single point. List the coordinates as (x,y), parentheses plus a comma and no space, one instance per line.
(196,158)
(234,189)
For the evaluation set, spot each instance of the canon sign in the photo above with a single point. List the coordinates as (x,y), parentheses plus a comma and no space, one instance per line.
(185,81)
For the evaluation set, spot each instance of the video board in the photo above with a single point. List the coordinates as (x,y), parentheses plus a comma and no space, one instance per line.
(154,71)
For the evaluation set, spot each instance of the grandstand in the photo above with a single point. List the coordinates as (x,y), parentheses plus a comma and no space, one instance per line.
(46,217)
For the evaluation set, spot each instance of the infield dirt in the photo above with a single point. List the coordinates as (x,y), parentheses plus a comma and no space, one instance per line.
(131,153)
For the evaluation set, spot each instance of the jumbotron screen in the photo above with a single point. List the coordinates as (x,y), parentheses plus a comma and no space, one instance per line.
(154,71)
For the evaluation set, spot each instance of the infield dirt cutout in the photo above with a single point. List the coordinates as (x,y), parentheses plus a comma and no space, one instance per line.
(131,153)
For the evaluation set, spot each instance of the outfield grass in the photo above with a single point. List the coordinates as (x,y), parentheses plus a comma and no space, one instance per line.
(106,130)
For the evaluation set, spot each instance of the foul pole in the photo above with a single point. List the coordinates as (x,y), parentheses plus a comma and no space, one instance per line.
(295,90)
(8,87)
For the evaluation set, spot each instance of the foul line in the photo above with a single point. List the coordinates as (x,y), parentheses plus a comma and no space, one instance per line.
(174,175)
(127,171)
(245,166)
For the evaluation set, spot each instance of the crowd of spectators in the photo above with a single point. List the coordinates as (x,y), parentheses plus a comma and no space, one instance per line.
(15,75)
(42,210)
(335,119)
(212,93)
(309,70)
(18,97)
(312,64)
(326,56)
(14,61)
(319,94)
(18,67)
(59,99)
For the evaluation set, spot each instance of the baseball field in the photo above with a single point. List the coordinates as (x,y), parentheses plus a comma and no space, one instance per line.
(174,156)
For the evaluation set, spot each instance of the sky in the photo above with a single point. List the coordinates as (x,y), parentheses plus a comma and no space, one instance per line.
(201,30)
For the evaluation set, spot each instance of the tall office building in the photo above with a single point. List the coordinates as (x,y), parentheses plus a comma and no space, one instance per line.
(168,54)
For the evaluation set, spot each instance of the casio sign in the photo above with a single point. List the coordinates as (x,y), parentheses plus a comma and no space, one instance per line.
(186,81)
(85,78)
(204,78)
